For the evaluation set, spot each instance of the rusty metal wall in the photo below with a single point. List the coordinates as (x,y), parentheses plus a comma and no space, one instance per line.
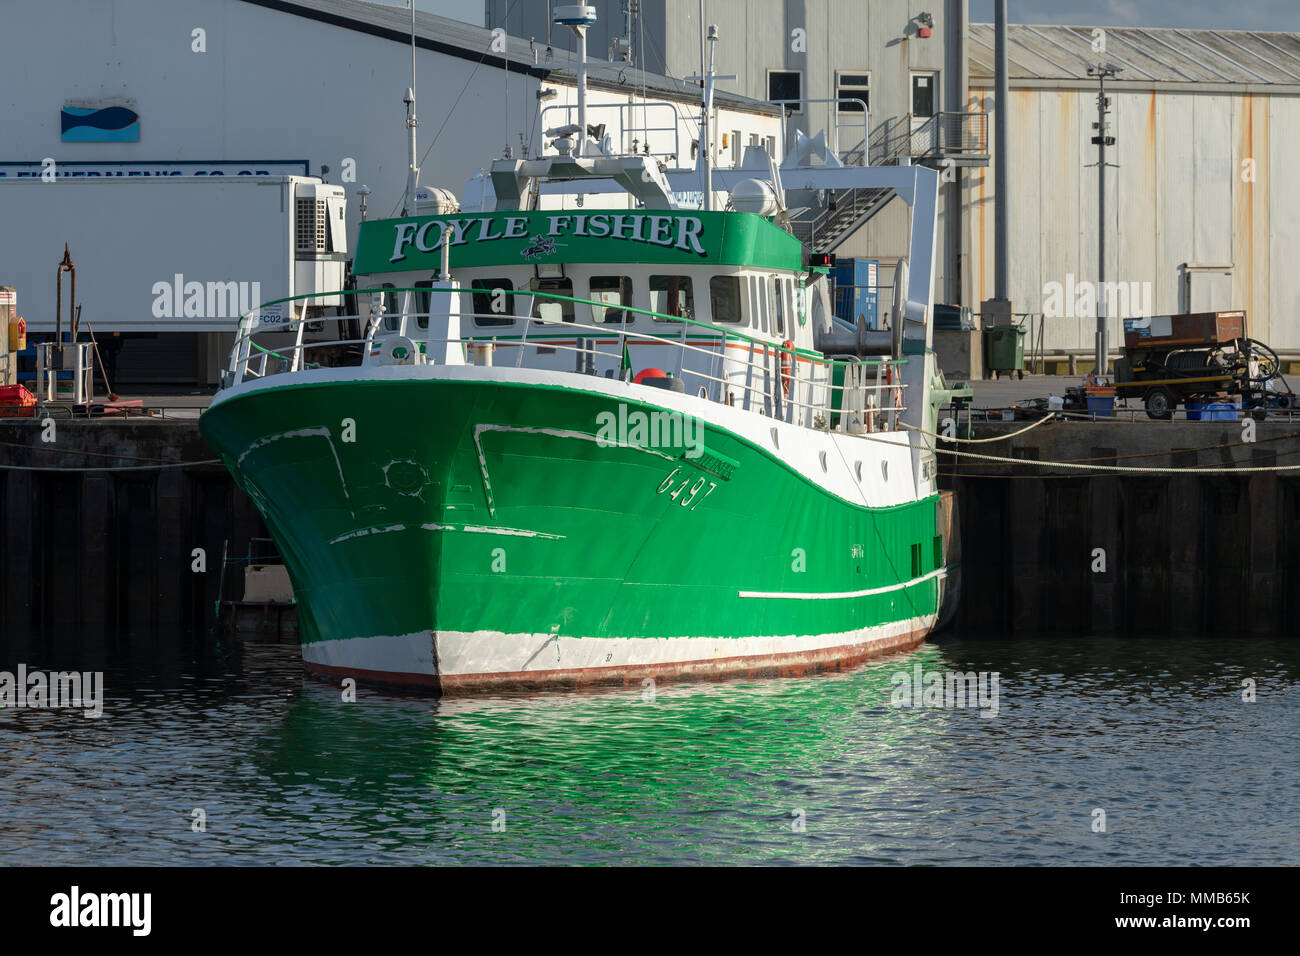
(1182,194)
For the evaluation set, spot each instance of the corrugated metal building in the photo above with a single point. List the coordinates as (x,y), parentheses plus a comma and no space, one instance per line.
(1203,204)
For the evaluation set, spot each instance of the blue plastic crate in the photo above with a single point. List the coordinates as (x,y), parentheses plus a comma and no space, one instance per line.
(1214,411)
(1102,406)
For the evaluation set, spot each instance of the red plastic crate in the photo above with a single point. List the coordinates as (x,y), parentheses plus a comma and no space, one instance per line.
(16,402)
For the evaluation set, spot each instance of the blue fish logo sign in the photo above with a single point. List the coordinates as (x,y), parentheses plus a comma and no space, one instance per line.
(111,124)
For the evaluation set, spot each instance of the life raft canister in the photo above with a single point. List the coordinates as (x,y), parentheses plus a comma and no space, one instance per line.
(787,365)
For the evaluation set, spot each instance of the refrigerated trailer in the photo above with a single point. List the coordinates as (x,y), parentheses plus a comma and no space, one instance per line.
(168,254)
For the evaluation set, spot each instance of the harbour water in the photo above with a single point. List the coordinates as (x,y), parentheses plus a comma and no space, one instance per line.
(817,770)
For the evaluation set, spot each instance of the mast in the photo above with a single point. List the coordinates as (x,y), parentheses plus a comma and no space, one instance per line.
(577,17)
(706,125)
(412,123)
(704,162)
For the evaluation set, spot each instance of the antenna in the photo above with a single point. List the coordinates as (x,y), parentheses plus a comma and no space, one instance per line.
(702,70)
(704,159)
(412,123)
(577,17)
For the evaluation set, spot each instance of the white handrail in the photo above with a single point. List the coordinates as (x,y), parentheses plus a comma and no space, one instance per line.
(863,404)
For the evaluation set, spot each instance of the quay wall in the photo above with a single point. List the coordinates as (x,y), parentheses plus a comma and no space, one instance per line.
(98,564)
(1182,552)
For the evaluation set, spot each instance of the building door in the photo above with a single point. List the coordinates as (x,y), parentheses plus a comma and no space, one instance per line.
(925,109)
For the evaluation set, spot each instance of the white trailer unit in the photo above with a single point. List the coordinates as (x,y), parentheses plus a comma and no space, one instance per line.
(171,253)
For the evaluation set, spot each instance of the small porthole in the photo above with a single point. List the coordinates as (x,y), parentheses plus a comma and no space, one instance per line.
(884,470)
(822,455)
(775,441)
(857,469)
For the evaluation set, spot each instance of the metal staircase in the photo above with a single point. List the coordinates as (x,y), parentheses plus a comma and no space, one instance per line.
(843,212)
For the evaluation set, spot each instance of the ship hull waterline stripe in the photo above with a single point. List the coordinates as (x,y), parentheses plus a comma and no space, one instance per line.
(906,636)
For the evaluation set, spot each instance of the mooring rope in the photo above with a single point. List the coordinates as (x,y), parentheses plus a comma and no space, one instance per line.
(1149,469)
(154,467)
(1048,463)
(95,454)
(978,441)
(1183,451)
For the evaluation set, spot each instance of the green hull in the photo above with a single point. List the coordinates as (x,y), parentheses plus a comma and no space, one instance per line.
(480,519)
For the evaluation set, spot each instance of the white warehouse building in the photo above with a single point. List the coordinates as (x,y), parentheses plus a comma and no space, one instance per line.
(198,93)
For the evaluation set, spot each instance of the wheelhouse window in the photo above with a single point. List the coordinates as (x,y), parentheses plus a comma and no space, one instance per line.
(785,85)
(611,292)
(724,299)
(778,294)
(491,305)
(759,306)
(553,310)
(856,86)
(392,311)
(671,295)
(423,301)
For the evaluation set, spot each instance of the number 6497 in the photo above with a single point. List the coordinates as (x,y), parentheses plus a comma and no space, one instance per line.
(691,498)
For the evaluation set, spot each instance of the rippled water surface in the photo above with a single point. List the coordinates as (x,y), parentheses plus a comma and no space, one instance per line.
(814,770)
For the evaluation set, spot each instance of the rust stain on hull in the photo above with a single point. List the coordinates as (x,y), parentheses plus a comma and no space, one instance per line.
(794,664)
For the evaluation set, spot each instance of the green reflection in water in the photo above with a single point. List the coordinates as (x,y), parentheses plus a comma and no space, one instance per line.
(612,776)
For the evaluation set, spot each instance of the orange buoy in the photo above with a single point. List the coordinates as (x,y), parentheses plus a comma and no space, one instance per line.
(646,373)
(787,365)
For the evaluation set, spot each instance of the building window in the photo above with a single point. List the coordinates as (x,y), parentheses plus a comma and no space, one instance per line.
(854,85)
(924,95)
(785,85)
